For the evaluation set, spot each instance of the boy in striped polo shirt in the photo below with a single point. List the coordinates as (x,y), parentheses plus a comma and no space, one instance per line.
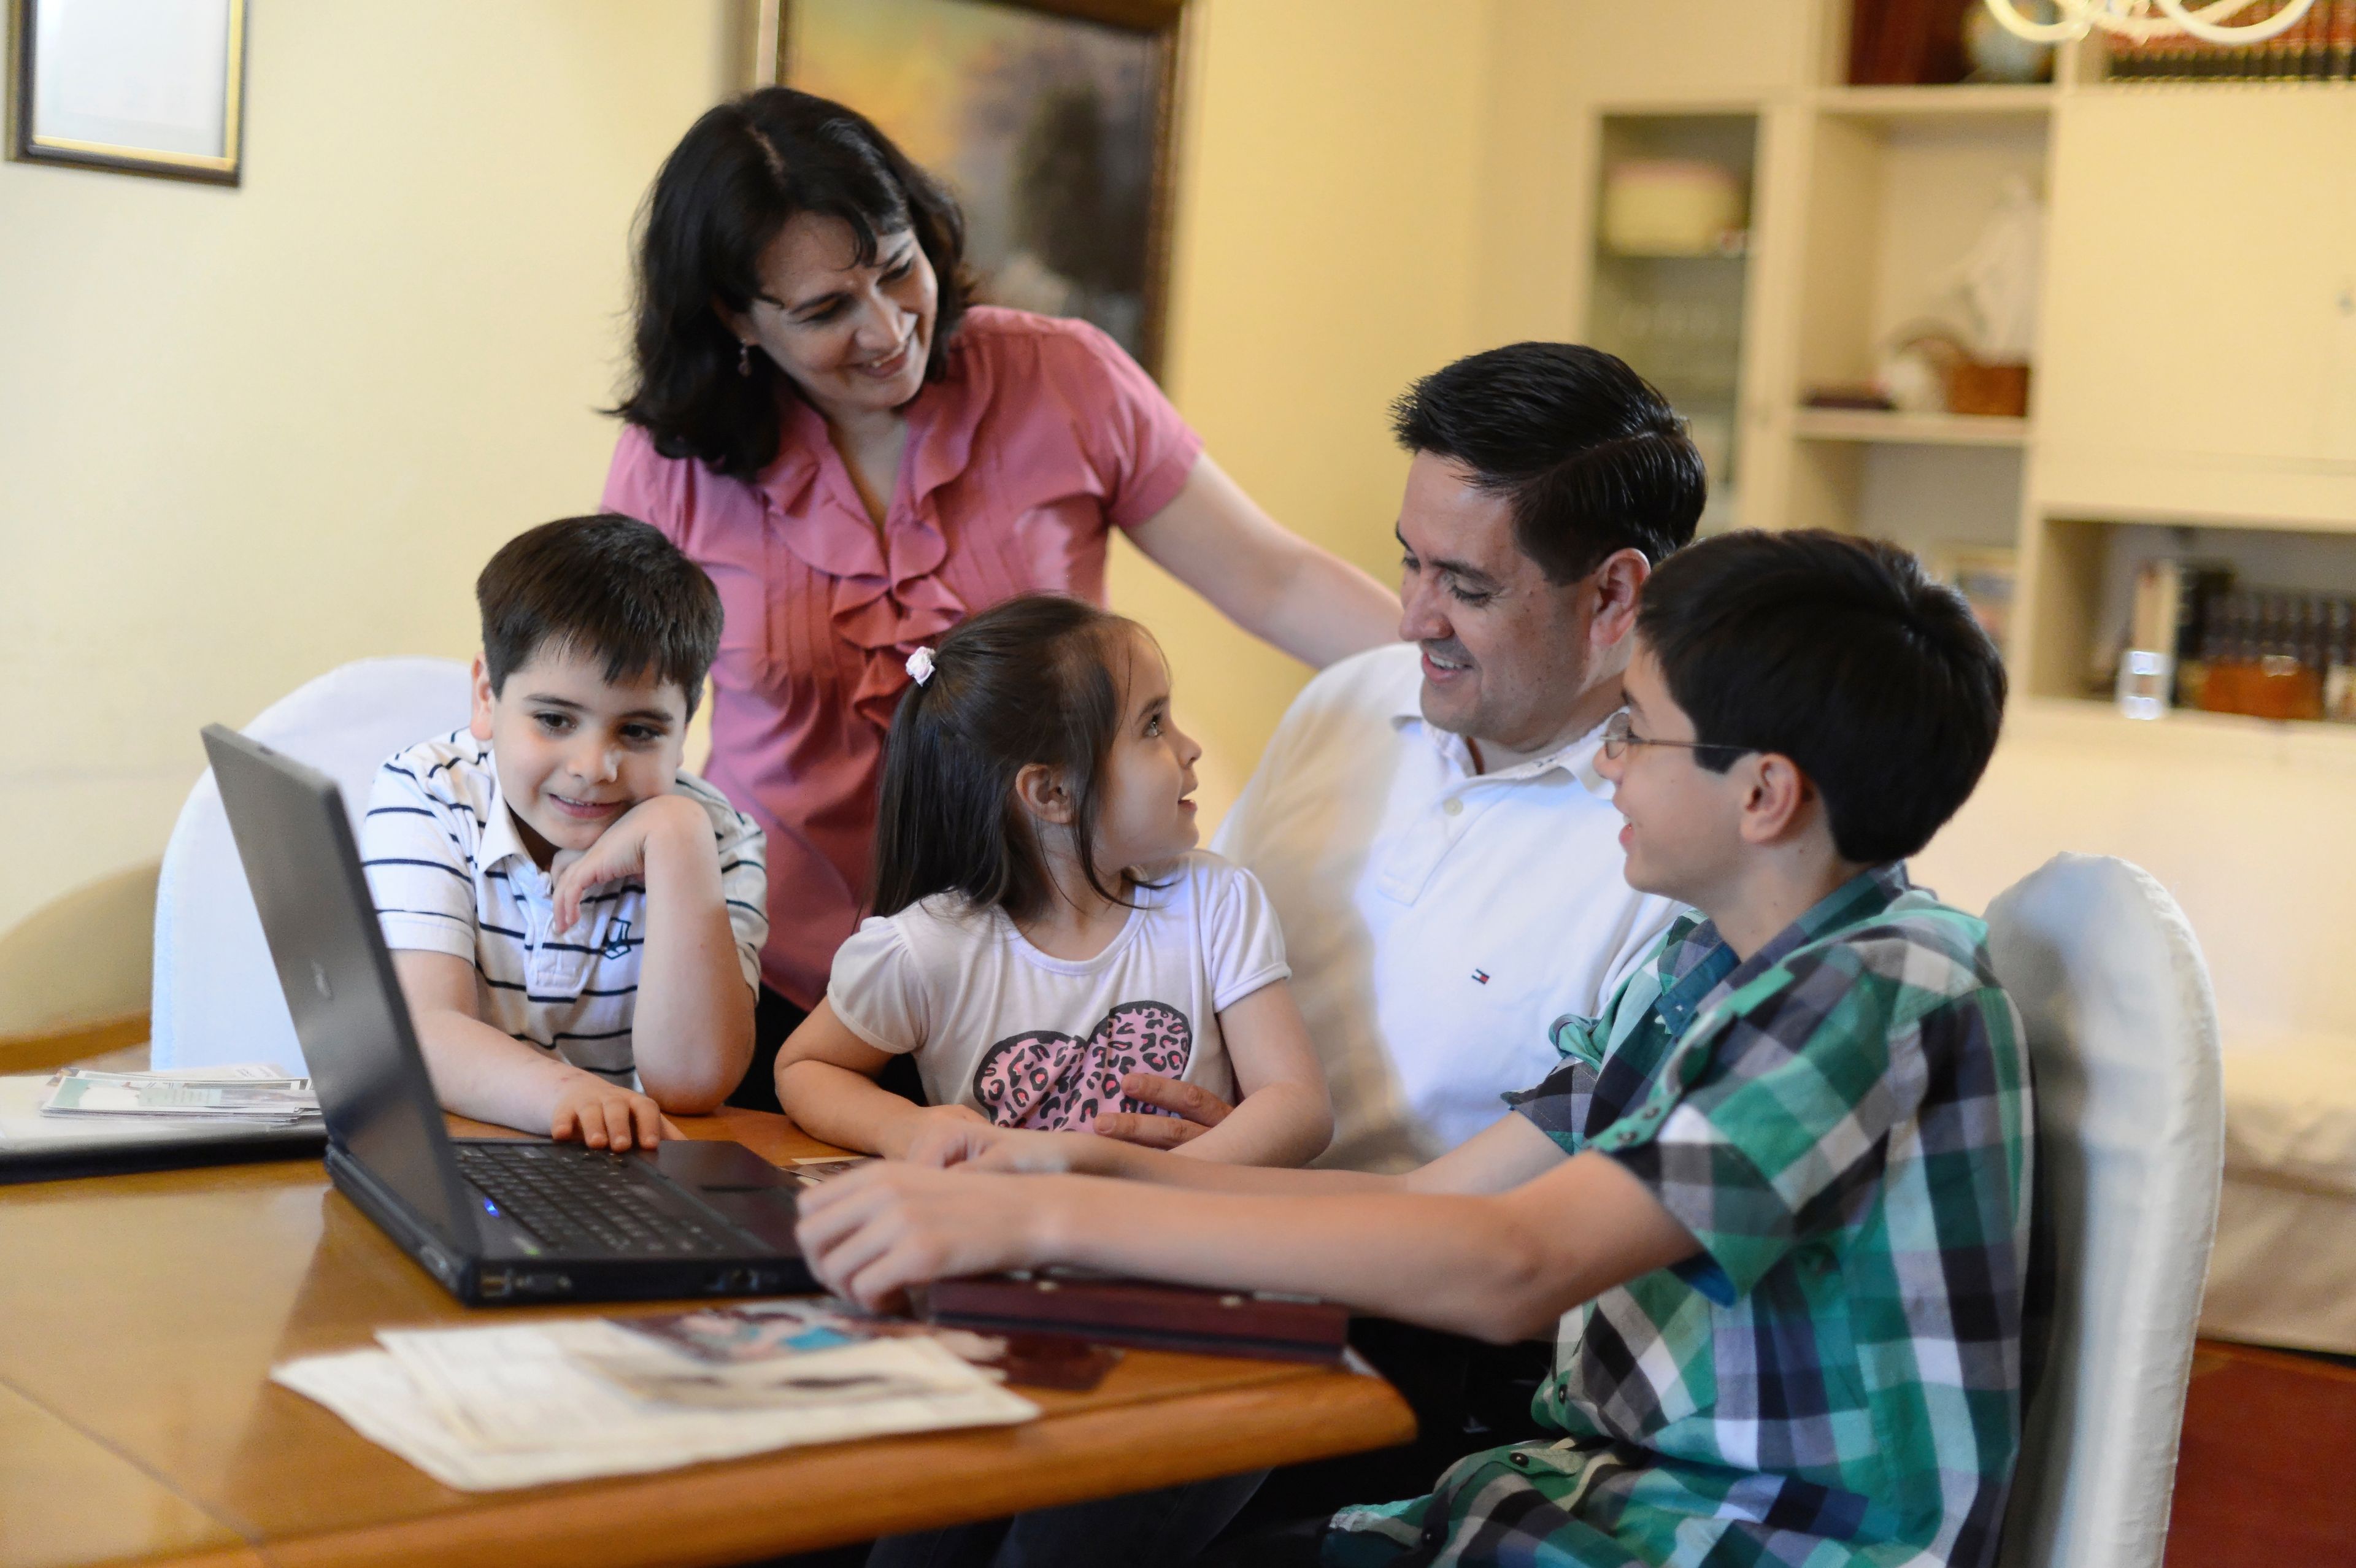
(576,922)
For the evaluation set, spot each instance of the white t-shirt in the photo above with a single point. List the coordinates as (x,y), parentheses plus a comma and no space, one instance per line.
(1441,919)
(1033,1041)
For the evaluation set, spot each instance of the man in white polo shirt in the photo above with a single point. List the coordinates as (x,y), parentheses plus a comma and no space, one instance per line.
(1429,824)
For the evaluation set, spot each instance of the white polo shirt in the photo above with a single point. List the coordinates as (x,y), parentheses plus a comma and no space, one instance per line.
(1439,919)
(450,874)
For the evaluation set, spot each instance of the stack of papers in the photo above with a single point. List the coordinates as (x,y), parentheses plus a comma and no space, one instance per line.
(522,1405)
(252,1093)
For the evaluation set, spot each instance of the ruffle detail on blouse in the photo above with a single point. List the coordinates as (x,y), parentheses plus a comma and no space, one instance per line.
(886,597)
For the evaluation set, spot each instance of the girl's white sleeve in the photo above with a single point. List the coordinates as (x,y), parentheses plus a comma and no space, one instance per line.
(1242,939)
(878,989)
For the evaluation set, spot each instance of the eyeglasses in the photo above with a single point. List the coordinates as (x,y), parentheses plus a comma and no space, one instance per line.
(1619,735)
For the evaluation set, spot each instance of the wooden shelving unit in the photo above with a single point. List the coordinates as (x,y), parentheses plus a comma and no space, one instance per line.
(2193,390)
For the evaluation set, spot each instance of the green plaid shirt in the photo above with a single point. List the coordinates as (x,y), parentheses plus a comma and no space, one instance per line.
(1842,1123)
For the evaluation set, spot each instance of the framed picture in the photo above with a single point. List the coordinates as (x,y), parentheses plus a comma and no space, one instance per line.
(1052,121)
(149,87)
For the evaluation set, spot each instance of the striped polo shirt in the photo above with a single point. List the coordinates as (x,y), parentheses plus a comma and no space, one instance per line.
(449,873)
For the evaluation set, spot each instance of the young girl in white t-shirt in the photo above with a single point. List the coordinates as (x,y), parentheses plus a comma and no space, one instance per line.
(1044,928)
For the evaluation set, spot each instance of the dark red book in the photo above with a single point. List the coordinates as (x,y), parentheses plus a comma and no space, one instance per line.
(1111,1310)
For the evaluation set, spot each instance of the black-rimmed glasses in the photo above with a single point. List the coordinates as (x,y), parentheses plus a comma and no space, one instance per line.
(1619,735)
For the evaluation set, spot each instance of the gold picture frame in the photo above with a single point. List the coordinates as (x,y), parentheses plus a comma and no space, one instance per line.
(1116,236)
(148,86)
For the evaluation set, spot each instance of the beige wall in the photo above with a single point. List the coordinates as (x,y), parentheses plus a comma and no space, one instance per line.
(246,436)
(1324,255)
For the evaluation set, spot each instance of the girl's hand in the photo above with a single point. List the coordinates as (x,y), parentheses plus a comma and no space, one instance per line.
(946,1135)
(872,1233)
(1198,1111)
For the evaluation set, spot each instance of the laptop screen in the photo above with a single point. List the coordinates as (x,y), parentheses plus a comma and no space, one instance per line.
(296,843)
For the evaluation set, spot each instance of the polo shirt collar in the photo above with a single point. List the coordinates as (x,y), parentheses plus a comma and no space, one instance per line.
(502,840)
(1576,756)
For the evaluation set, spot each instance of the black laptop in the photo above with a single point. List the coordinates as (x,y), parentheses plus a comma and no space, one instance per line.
(494,1220)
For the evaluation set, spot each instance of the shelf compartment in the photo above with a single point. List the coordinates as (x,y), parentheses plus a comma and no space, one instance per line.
(1909,430)
(2083,585)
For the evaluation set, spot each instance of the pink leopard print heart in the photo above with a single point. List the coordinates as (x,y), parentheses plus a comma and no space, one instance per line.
(1058,1082)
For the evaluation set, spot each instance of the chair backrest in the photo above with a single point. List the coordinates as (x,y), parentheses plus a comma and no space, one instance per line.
(216,996)
(2122,1035)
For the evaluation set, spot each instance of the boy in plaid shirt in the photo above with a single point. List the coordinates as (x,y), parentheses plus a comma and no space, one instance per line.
(1778,1191)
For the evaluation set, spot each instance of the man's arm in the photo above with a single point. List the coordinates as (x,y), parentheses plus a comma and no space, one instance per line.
(480,1071)
(692,1029)
(1501,1267)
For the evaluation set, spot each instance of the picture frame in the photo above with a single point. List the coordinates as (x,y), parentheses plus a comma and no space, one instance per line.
(146,87)
(1054,122)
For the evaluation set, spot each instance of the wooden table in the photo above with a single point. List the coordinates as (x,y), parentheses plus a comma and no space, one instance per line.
(140,1314)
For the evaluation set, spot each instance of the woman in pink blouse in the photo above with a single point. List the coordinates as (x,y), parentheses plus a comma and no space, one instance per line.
(861,459)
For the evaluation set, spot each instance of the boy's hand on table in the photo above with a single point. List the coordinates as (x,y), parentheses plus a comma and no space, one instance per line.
(622,850)
(604,1115)
(872,1233)
(1198,1111)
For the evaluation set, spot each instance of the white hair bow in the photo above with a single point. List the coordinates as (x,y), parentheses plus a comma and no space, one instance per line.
(920,665)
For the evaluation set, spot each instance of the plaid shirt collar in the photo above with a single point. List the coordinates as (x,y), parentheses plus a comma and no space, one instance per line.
(1696,969)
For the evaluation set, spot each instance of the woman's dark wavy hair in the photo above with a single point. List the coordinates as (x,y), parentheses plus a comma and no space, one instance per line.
(1039,678)
(740,173)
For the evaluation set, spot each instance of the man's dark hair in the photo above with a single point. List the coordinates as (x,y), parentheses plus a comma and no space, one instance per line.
(1592,459)
(1839,654)
(604,587)
(739,174)
(1037,679)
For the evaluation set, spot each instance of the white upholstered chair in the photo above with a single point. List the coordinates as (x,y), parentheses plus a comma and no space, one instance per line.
(2130,1139)
(215,993)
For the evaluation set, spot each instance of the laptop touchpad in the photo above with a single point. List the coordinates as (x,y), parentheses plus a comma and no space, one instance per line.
(717,1166)
(768,1214)
(746,1189)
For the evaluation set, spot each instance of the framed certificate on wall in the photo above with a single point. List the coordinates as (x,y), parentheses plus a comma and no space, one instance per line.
(145,86)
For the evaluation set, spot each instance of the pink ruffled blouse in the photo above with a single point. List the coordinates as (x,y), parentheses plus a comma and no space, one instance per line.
(1042,436)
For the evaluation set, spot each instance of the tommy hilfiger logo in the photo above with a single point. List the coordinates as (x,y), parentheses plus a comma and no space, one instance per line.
(618,946)
(1482,975)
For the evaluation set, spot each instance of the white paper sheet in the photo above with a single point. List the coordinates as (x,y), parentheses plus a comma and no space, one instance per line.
(487,1409)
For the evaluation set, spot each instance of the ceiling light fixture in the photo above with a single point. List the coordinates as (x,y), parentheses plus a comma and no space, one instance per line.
(2142,19)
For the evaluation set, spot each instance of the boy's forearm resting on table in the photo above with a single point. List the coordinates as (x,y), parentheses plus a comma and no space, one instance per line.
(482,1071)
(1500,1267)
(692,1032)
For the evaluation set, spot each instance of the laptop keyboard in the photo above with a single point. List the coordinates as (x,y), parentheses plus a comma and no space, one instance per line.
(579,1199)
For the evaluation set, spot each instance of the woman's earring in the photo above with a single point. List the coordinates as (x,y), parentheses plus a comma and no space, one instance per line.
(743,358)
